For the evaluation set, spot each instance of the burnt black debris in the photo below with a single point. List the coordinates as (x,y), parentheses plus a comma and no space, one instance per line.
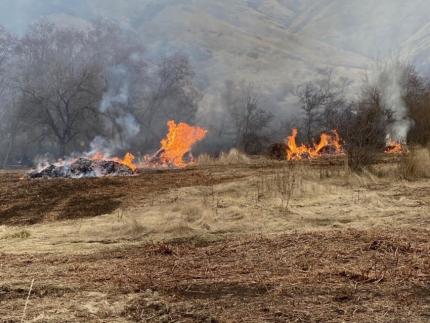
(278,151)
(83,168)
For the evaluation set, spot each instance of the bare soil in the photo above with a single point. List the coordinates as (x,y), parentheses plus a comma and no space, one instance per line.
(25,201)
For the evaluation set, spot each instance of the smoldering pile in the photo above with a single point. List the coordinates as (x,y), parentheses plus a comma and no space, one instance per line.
(83,168)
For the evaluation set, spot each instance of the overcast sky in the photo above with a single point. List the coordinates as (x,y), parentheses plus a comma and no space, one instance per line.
(372,28)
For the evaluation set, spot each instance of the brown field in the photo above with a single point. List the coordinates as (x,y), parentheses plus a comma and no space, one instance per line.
(257,241)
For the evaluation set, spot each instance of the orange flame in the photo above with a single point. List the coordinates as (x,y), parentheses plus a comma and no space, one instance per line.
(128,159)
(327,141)
(179,141)
(395,148)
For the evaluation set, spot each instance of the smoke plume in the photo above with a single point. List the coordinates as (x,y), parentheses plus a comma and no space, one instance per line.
(391,81)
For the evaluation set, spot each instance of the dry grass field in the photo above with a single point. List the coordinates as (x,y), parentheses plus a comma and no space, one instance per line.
(252,241)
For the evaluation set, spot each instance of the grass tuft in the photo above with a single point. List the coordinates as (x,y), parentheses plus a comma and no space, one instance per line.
(415,164)
(233,157)
(23,234)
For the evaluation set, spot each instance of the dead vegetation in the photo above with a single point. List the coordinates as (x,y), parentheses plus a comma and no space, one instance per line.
(282,185)
(233,157)
(260,241)
(353,275)
(21,234)
(415,164)
(209,202)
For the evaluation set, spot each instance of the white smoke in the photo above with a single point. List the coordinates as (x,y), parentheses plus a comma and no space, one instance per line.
(115,102)
(117,91)
(99,145)
(114,97)
(129,124)
(391,81)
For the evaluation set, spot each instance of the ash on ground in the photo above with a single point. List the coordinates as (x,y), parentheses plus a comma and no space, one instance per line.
(83,168)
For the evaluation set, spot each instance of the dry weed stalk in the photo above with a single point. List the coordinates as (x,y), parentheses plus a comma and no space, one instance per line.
(27,301)
(282,184)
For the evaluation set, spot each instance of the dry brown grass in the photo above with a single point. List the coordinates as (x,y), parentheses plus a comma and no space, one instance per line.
(281,242)
(415,164)
(233,157)
(375,275)
(21,234)
(283,184)
(216,202)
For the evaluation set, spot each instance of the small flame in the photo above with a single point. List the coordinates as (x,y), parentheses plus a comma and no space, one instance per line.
(179,141)
(128,159)
(395,148)
(327,141)
(98,156)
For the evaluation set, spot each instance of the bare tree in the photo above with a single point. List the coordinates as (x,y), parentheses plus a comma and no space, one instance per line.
(364,127)
(322,102)
(7,47)
(8,121)
(170,95)
(417,101)
(61,85)
(121,54)
(250,120)
(336,103)
(312,98)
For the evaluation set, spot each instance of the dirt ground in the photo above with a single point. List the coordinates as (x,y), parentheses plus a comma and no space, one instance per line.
(255,242)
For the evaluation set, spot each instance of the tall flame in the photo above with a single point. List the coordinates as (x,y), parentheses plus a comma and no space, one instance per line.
(327,141)
(179,141)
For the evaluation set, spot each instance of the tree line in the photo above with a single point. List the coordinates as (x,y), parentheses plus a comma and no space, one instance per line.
(64,90)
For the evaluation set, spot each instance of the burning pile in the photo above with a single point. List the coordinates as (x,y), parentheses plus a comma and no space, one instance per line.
(329,145)
(85,168)
(177,144)
(175,147)
(395,148)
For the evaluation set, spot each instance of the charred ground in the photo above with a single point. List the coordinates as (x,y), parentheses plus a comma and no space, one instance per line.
(29,201)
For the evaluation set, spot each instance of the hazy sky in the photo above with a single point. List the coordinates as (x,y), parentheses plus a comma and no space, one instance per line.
(368,29)
(16,15)
(359,25)
(271,43)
